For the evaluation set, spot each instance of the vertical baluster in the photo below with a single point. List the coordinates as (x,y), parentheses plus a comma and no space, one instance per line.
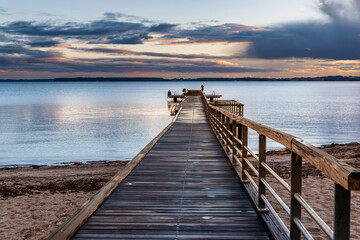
(296,182)
(218,125)
(234,142)
(227,146)
(218,119)
(240,136)
(342,213)
(262,171)
(244,152)
(221,128)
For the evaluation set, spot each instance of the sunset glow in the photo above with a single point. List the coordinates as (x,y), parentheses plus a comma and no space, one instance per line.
(115,40)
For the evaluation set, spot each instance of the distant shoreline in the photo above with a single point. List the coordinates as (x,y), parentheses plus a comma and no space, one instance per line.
(125,79)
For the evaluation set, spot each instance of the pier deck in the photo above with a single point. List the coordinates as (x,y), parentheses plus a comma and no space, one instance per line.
(184,188)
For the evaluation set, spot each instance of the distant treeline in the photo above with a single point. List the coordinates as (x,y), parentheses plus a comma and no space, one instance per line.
(122,79)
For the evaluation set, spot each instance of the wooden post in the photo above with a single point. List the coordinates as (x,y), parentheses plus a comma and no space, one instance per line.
(218,124)
(342,213)
(244,152)
(227,134)
(262,171)
(223,127)
(234,142)
(296,182)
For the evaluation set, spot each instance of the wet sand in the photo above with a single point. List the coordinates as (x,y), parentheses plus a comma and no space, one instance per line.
(35,200)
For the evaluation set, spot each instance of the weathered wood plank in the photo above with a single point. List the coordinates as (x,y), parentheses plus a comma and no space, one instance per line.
(68,228)
(185,188)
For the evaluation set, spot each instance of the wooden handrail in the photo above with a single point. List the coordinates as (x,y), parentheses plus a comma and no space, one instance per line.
(341,173)
(232,133)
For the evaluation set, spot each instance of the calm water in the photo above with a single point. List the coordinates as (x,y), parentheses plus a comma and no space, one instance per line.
(45,123)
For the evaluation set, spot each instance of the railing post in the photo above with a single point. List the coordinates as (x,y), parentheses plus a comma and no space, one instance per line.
(244,152)
(227,144)
(296,182)
(234,142)
(342,213)
(262,171)
(240,136)
(221,127)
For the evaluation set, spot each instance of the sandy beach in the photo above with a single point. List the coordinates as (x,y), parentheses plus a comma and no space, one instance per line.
(318,190)
(36,200)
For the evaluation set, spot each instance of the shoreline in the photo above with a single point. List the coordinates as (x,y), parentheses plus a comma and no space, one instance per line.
(86,162)
(37,199)
(89,162)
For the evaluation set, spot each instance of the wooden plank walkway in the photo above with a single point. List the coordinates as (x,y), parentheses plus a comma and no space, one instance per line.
(185,188)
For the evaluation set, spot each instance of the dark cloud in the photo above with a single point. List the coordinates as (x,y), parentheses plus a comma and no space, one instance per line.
(223,33)
(308,40)
(3,38)
(11,49)
(162,27)
(49,43)
(106,31)
(338,39)
(92,30)
(126,39)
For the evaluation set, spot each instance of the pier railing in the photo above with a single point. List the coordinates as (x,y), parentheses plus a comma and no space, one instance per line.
(231,106)
(232,132)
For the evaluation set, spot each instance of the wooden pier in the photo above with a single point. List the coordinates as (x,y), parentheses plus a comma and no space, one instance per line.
(194,181)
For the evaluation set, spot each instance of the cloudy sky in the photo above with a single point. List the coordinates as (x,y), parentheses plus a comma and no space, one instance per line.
(184,38)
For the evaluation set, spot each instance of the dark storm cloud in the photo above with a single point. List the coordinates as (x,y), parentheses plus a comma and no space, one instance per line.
(217,33)
(12,49)
(338,39)
(92,30)
(106,31)
(49,43)
(126,39)
(308,40)
(3,38)
(162,27)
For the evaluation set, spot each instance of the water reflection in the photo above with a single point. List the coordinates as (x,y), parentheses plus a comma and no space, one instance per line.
(55,122)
